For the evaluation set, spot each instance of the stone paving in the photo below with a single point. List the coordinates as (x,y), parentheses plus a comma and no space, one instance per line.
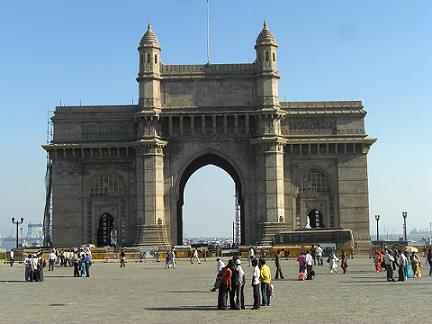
(148,293)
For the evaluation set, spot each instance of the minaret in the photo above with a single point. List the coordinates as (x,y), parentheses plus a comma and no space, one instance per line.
(266,66)
(149,71)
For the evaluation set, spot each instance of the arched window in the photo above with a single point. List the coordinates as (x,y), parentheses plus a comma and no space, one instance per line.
(156,59)
(267,56)
(105,185)
(274,57)
(314,181)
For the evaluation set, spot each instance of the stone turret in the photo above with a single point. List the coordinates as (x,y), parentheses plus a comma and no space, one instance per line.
(267,73)
(265,47)
(149,71)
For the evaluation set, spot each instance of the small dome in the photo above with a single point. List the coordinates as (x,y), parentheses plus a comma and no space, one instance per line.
(149,39)
(265,37)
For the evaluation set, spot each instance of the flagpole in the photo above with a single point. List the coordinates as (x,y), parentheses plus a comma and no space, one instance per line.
(208,32)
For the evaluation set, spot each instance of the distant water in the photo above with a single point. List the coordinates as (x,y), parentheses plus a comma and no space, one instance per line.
(7,245)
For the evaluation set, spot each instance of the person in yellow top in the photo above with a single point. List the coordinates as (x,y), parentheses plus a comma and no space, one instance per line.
(265,283)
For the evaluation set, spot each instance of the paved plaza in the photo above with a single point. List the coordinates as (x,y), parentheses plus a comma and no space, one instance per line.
(148,293)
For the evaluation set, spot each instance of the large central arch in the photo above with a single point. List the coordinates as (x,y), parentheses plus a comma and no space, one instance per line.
(199,162)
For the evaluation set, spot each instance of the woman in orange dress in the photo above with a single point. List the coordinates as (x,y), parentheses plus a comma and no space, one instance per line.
(377,261)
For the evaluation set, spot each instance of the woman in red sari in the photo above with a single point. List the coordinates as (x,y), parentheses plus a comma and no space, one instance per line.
(377,260)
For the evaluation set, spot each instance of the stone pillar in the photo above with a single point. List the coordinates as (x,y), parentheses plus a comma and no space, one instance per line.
(273,221)
(152,231)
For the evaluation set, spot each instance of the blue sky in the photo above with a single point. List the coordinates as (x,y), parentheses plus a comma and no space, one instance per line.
(376,51)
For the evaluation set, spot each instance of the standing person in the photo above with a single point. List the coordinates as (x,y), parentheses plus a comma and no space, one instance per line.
(318,255)
(278,266)
(27,264)
(313,254)
(308,262)
(52,258)
(34,268)
(219,266)
(122,259)
(76,264)
(83,265)
(415,262)
(344,261)
(234,281)
(41,265)
(87,264)
(12,255)
(240,283)
(265,283)
(256,274)
(333,262)
(301,259)
(409,270)
(377,261)
(225,285)
(402,266)
(388,259)
(429,260)
(251,255)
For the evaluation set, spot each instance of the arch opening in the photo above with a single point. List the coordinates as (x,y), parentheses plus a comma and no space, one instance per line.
(106,230)
(202,161)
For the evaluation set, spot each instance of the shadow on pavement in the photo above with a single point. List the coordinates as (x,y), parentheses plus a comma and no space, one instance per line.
(12,281)
(182,308)
(186,292)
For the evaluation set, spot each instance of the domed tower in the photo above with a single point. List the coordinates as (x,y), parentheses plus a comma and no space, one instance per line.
(149,70)
(266,66)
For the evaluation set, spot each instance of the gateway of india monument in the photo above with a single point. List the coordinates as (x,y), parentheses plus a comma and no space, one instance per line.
(122,169)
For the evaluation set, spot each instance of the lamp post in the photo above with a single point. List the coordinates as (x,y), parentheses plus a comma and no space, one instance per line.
(404,215)
(17,223)
(377,218)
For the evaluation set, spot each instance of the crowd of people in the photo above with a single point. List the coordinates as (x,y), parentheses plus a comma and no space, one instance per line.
(231,280)
(34,265)
(408,263)
(79,259)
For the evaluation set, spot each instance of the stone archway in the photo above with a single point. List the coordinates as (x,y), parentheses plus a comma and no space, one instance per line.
(105,229)
(199,162)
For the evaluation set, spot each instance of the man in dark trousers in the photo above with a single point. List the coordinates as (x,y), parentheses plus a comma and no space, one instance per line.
(278,267)
(225,285)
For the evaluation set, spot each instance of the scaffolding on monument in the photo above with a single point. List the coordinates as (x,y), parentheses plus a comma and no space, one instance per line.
(47,219)
(237,222)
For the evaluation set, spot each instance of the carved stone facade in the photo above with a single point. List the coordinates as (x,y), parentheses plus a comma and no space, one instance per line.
(123,169)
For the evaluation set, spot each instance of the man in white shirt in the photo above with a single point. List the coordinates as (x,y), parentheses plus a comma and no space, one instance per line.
(219,265)
(256,284)
(318,255)
(309,263)
(251,255)
(52,258)
(12,257)
(240,282)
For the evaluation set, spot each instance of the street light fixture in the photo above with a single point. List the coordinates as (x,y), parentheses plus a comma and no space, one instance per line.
(17,223)
(377,218)
(404,215)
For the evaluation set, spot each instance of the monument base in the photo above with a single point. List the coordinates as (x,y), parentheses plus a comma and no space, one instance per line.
(152,235)
(268,230)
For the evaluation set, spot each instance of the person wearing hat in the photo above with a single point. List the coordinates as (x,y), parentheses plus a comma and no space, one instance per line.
(239,285)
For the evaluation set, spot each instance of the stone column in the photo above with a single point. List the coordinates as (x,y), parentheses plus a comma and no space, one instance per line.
(273,221)
(152,231)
